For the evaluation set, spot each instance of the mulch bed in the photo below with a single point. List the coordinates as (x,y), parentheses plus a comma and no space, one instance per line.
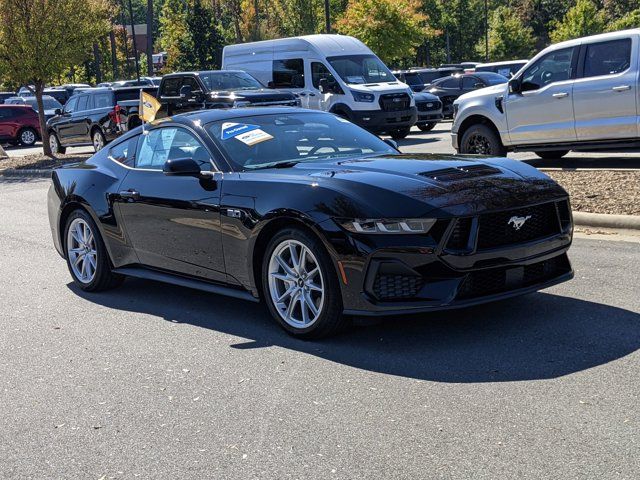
(601,191)
(40,161)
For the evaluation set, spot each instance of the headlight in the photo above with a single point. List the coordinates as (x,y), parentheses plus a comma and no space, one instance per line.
(241,103)
(363,96)
(388,226)
(455,109)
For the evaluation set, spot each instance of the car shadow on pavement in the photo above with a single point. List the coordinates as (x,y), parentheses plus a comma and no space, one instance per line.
(538,336)
(409,141)
(605,163)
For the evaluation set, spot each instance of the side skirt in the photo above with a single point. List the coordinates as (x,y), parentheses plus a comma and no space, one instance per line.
(148,274)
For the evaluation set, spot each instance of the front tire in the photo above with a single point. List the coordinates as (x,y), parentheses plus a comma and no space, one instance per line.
(427,127)
(482,140)
(28,137)
(552,154)
(86,254)
(300,285)
(98,140)
(400,133)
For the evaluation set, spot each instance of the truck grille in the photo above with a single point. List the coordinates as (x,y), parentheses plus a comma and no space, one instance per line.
(428,106)
(395,102)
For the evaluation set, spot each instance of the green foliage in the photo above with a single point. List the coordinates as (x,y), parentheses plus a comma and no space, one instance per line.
(630,20)
(581,20)
(391,28)
(509,38)
(190,35)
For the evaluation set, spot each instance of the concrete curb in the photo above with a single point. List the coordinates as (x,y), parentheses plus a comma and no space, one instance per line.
(628,222)
(25,172)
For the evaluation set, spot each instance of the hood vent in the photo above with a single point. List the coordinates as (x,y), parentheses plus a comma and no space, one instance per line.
(453,174)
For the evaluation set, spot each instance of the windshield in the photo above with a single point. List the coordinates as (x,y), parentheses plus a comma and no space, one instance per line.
(262,141)
(413,79)
(215,81)
(493,78)
(361,69)
(49,103)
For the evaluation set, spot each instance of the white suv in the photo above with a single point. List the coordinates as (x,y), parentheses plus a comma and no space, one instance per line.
(576,95)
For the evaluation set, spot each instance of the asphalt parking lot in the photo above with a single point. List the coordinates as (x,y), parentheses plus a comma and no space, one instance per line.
(155,381)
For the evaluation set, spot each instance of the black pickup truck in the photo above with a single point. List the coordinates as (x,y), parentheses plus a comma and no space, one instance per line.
(187,91)
(95,116)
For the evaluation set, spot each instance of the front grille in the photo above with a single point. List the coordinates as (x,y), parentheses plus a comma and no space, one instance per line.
(428,106)
(453,174)
(497,280)
(517,226)
(395,102)
(396,287)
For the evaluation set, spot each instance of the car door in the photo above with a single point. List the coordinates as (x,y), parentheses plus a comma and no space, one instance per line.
(173,222)
(543,111)
(62,124)
(6,123)
(316,100)
(80,122)
(604,94)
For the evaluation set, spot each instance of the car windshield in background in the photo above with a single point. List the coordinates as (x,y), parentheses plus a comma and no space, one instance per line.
(230,81)
(264,141)
(361,69)
(492,78)
(413,79)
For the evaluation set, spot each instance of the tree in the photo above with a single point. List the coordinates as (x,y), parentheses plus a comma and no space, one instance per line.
(393,29)
(581,20)
(509,38)
(630,20)
(39,39)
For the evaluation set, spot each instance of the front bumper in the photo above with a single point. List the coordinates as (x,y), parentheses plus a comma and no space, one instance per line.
(379,121)
(428,118)
(447,269)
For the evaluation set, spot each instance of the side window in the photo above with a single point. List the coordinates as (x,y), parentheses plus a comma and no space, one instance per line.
(318,72)
(193,83)
(124,152)
(70,106)
(6,113)
(170,143)
(469,83)
(171,87)
(449,83)
(82,103)
(553,67)
(607,58)
(288,73)
(102,100)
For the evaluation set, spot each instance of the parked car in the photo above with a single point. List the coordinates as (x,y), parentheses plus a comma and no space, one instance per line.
(50,104)
(153,80)
(315,216)
(411,78)
(506,69)
(143,82)
(95,117)
(188,91)
(332,73)
(448,89)
(60,94)
(5,95)
(19,124)
(576,95)
(429,109)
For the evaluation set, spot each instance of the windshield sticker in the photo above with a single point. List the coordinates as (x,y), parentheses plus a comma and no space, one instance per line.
(357,79)
(253,137)
(231,130)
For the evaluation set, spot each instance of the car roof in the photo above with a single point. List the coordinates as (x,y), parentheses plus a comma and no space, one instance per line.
(213,115)
(199,72)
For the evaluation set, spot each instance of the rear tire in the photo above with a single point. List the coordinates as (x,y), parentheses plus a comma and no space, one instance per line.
(400,133)
(98,140)
(550,155)
(482,140)
(87,257)
(427,127)
(54,143)
(308,281)
(27,137)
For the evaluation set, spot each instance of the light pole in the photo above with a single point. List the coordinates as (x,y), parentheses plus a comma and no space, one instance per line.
(327,17)
(135,48)
(486,31)
(149,38)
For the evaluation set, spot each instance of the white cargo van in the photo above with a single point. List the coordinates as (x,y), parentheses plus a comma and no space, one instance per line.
(334,73)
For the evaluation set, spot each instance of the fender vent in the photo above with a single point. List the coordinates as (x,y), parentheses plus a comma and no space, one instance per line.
(461,173)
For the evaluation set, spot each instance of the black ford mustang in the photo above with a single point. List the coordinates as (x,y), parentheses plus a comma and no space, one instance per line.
(307,211)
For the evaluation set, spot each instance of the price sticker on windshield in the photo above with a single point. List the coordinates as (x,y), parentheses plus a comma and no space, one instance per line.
(232,130)
(253,137)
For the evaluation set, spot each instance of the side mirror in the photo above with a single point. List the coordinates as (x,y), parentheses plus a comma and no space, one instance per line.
(392,143)
(515,86)
(58,111)
(478,85)
(182,167)
(323,86)
(185,92)
(270,84)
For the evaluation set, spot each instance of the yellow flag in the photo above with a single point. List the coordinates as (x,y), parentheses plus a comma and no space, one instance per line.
(149,106)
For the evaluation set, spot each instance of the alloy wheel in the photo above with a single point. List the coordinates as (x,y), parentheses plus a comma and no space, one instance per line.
(98,141)
(478,144)
(53,143)
(27,137)
(81,249)
(296,284)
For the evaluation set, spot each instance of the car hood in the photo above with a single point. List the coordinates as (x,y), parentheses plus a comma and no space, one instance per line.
(425,97)
(439,185)
(491,91)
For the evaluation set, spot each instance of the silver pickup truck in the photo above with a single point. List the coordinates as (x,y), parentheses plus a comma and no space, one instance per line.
(577,95)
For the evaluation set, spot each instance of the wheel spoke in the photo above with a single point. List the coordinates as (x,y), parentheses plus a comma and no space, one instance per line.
(287,293)
(303,260)
(304,309)
(292,305)
(285,266)
(295,261)
(310,304)
(284,277)
(313,286)
(312,273)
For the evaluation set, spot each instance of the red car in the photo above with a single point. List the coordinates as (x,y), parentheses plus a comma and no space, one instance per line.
(19,124)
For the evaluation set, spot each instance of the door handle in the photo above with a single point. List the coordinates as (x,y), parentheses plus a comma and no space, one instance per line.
(302,94)
(621,88)
(131,195)
(312,94)
(560,95)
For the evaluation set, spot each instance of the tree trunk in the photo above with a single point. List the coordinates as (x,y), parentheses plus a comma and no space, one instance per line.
(44,134)
(3,154)
(150,38)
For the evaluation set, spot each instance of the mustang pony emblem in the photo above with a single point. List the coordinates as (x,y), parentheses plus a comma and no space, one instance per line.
(518,222)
